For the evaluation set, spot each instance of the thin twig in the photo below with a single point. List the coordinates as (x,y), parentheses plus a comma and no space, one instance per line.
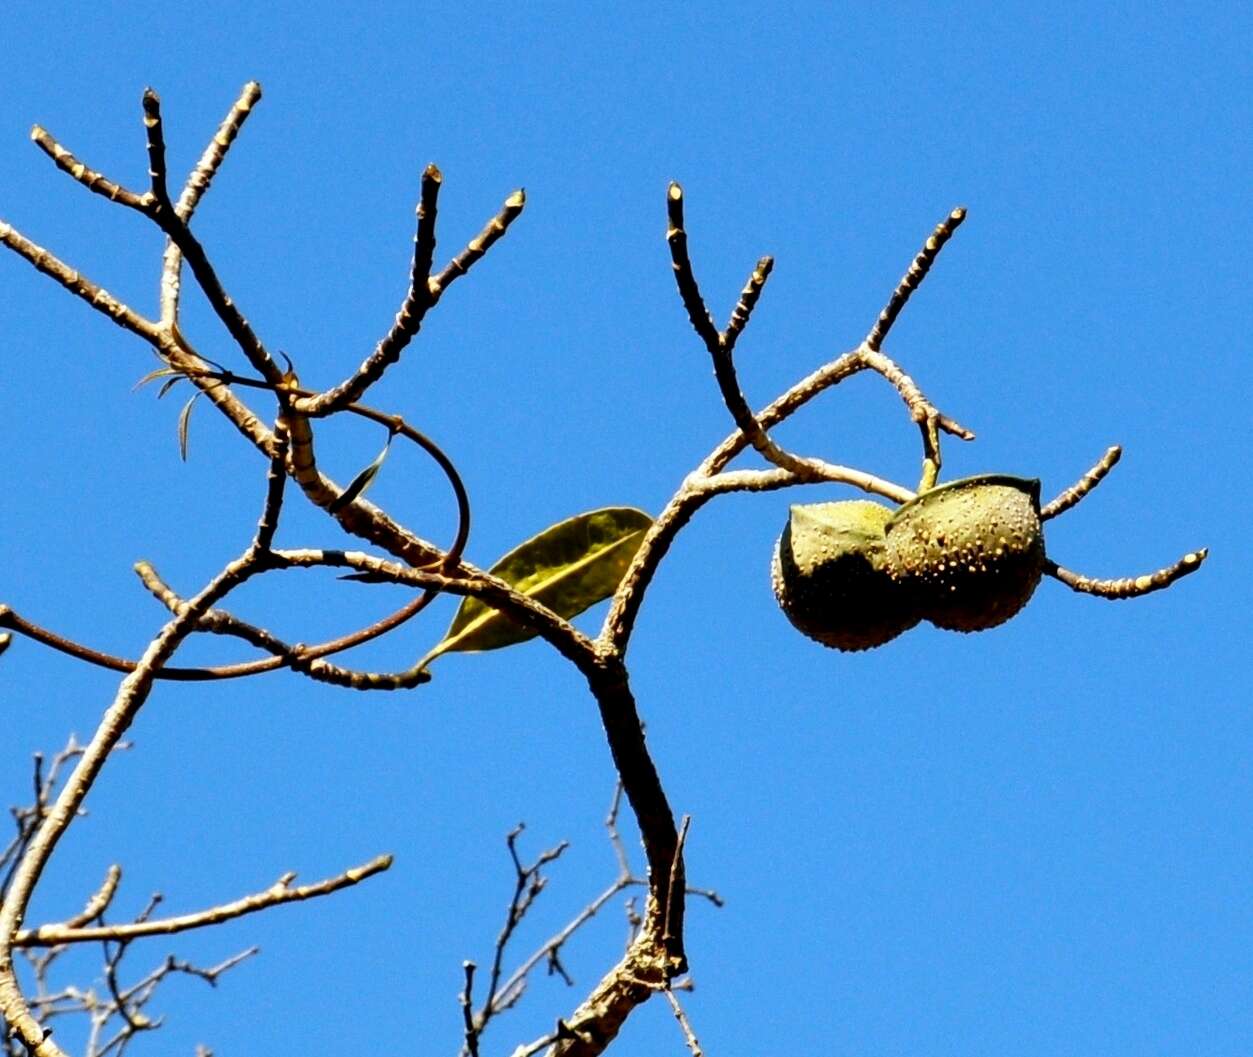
(676,875)
(282,891)
(689,1036)
(424,292)
(467,1010)
(195,187)
(158,208)
(99,901)
(528,883)
(95,182)
(1132,586)
(913,278)
(1083,486)
(78,284)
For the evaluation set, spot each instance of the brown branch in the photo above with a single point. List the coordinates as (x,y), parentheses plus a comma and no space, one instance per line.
(1132,586)
(165,339)
(95,182)
(529,882)
(641,973)
(195,187)
(466,1000)
(772,480)
(424,292)
(283,656)
(298,657)
(913,278)
(721,343)
(276,481)
(127,1004)
(709,480)
(155,135)
(155,204)
(685,279)
(408,321)
(675,878)
(1083,486)
(99,901)
(158,208)
(277,894)
(523,609)
(475,249)
(78,284)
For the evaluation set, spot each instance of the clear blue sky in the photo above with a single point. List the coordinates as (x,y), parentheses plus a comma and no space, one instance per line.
(1034,840)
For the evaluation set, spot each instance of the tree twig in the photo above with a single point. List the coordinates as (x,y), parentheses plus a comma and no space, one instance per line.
(279,893)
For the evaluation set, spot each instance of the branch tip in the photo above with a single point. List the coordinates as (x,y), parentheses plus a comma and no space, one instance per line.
(1083,486)
(1131,586)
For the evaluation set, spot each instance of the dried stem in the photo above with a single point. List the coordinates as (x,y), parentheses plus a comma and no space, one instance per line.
(689,1036)
(193,190)
(720,345)
(913,278)
(1132,586)
(78,284)
(282,891)
(1083,486)
(424,292)
(96,905)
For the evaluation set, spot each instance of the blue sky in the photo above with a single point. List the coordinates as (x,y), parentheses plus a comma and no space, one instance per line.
(1033,840)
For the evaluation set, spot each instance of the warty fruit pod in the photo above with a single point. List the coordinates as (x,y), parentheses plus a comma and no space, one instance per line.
(969,552)
(830,576)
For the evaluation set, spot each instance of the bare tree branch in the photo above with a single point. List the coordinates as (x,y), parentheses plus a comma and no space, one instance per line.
(1131,586)
(282,891)
(1083,486)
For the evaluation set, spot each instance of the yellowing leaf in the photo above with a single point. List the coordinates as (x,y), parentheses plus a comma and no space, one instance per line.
(569,567)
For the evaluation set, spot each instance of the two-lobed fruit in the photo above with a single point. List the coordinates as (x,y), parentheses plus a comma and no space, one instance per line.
(966,555)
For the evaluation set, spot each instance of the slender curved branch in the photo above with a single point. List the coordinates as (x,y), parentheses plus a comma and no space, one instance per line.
(720,344)
(277,894)
(709,480)
(160,210)
(772,480)
(297,657)
(97,904)
(1131,586)
(9,618)
(523,609)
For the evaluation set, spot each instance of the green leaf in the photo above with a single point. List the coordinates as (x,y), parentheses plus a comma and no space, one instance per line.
(363,480)
(569,567)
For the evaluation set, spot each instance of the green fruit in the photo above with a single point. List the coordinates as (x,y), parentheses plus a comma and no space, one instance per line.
(831,579)
(970,552)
